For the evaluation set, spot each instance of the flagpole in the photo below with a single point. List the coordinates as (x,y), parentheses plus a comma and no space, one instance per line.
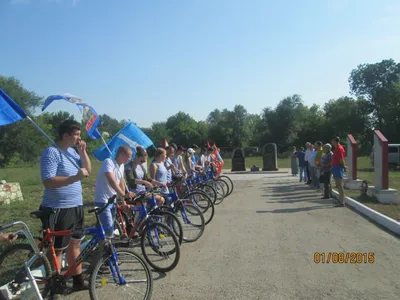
(52,142)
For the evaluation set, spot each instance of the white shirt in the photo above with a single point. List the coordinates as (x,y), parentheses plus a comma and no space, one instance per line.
(104,191)
(307,155)
(203,160)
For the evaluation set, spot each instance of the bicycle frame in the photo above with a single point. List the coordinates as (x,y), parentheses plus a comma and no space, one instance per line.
(98,234)
(140,223)
(142,219)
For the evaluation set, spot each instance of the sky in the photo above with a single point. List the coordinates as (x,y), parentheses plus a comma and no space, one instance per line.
(147,60)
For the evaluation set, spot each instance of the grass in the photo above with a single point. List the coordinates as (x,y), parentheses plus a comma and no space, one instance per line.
(366,172)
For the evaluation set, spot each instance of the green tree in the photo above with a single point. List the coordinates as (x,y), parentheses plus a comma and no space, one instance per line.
(158,132)
(377,83)
(182,128)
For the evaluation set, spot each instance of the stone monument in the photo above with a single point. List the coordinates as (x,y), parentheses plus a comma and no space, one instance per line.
(238,160)
(270,157)
(9,192)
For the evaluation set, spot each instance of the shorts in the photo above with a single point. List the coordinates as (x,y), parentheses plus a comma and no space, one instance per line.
(64,219)
(107,218)
(338,172)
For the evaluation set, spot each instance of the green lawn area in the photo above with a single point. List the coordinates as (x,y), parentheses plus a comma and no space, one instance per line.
(366,172)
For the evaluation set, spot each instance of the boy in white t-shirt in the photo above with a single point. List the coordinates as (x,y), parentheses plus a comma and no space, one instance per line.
(108,183)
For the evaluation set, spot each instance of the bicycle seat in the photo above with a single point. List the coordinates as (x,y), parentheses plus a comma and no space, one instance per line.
(38,214)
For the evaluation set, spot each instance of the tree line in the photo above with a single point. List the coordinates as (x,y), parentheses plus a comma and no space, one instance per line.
(374,104)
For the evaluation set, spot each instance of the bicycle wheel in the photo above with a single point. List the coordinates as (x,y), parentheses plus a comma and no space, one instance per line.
(220,189)
(203,202)
(192,221)
(209,190)
(13,273)
(225,185)
(229,182)
(171,220)
(105,281)
(163,244)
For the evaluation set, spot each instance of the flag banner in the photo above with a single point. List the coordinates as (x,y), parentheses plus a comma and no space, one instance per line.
(130,135)
(89,115)
(10,112)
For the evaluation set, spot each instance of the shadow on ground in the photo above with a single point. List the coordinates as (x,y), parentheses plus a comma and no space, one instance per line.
(294,210)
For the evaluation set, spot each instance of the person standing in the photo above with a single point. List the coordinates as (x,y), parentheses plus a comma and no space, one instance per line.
(306,158)
(338,168)
(294,162)
(326,169)
(62,197)
(313,169)
(317,160)
(302,164)
(109,182)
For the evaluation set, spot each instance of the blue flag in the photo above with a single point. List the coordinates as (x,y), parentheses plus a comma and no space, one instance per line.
(88,113)
(10,112)
(130,135)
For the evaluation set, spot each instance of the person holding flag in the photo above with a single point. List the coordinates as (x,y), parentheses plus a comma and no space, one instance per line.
(62,198)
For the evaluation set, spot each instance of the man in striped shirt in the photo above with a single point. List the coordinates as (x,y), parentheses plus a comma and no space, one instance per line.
(62,198)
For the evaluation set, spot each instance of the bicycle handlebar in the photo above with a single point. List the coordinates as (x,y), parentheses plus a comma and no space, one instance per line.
(5,227)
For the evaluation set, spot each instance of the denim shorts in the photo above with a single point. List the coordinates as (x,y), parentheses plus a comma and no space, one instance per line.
(107,218)
(338,172)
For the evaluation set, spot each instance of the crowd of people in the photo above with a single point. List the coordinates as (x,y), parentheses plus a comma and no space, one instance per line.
(317,164)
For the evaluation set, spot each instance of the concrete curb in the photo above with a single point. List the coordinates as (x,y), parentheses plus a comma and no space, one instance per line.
(280,171)
(388,223)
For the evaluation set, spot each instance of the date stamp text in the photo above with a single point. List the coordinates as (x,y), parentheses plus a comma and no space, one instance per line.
(344,257)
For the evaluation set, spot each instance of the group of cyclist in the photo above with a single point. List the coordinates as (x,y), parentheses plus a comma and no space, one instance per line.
(169,165)
(62,199)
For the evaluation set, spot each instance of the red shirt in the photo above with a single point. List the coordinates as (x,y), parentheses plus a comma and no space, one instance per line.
(337,155)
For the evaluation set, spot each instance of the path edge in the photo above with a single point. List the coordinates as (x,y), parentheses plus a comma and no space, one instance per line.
(389,223)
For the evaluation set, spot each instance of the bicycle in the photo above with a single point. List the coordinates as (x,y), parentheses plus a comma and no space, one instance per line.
(156,214)
(185,208)
(107,256)
(144,223)
(199,199)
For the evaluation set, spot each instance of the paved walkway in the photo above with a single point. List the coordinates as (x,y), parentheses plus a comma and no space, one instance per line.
(261,245)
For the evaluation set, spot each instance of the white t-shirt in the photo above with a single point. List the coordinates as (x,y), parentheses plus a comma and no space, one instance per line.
(203,160)
(140,175)
(104,191)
